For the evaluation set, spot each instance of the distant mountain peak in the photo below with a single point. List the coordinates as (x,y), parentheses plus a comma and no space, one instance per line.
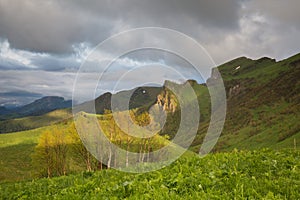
(50,99)
(38,107)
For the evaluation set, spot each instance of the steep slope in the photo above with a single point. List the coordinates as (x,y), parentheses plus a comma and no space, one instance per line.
(263,104)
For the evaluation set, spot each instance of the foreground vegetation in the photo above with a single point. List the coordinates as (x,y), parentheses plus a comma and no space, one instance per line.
(264,174)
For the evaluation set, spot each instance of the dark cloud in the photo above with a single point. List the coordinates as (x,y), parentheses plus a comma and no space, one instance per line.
(283,13)
(221,14)
(15,59)
(45,26)
(20,93)
(54,26)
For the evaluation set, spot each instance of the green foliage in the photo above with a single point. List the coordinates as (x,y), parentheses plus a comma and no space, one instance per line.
(50,156)
(261,174)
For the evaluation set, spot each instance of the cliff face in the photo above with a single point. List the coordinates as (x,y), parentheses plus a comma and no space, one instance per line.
(167,101)
(167,98)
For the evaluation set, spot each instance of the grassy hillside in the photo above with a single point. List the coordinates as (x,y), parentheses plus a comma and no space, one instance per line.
(263,105)
(32,122)
(19,159)
(236,175)
(17,150)
(15,154)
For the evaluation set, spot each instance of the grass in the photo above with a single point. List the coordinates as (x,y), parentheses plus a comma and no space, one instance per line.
(266,129)
(15,155)
(23,137)
(262,70)
(261,174)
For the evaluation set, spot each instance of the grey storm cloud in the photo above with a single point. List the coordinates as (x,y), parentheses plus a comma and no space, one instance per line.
(15,59)
(20,93)
(54,26)
(281,12)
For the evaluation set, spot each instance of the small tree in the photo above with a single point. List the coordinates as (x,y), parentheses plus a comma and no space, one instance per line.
(50,156)
(110,126)
(43,157)
(60,147)
(79,151)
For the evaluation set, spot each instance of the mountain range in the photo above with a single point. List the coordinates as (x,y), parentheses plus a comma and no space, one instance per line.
(263,106)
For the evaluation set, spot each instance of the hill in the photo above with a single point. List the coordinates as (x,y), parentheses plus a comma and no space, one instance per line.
(44,105)
(32,122)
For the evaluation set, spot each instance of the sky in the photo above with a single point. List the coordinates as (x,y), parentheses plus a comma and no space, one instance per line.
(43,44)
